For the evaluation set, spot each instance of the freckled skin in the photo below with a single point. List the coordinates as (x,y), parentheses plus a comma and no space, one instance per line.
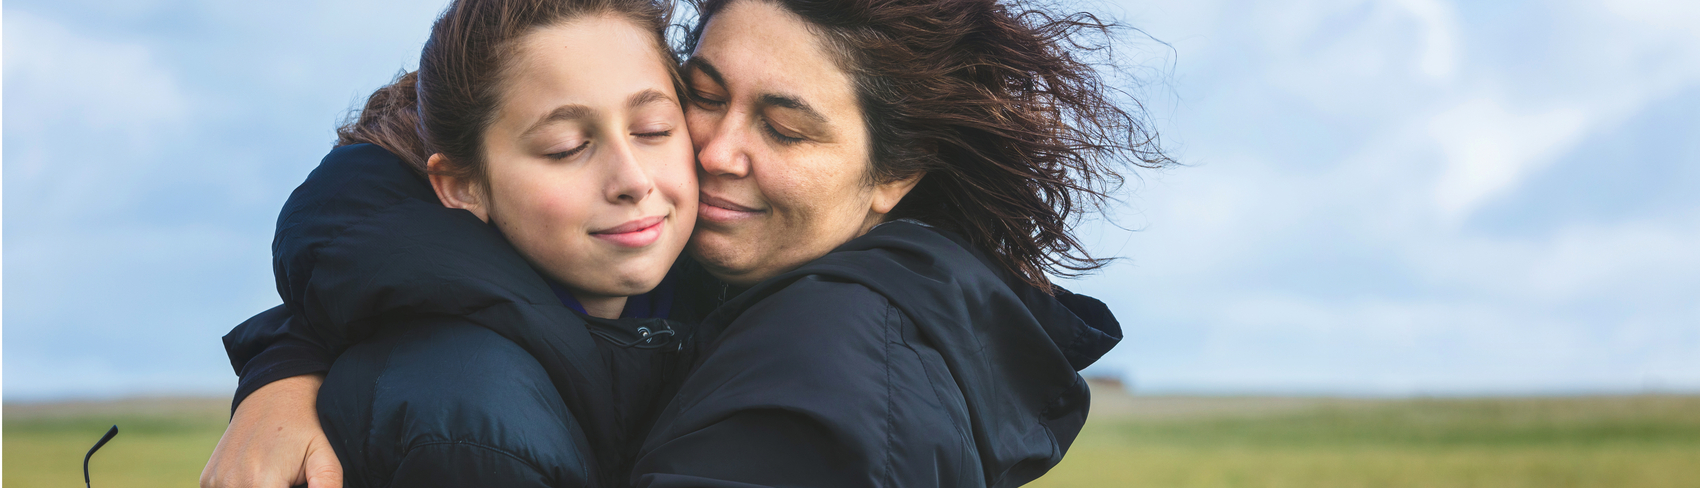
(554,185)
(802,178)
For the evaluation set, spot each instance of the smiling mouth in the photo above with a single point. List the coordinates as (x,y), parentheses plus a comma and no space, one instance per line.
(637,233)
(716,209)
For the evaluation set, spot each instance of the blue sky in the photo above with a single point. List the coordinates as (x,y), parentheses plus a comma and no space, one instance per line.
(1380,197)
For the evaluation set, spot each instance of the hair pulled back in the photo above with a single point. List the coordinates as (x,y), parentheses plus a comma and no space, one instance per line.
(446,106)
(1015,131)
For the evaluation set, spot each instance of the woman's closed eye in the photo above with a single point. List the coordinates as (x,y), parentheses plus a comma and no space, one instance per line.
(706,101)
(778,136)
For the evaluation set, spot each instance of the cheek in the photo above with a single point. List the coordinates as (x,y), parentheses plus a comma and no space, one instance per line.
(813,189)
(677,175)
(538,206)
(700,125)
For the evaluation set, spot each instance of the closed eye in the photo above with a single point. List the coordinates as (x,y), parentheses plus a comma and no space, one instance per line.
(706,102)
(777,136)
(570,152)
(655,135)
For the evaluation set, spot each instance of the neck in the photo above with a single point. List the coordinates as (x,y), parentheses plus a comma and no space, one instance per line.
(602,307)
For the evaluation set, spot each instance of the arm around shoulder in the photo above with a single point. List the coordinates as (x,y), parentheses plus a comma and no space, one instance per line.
(274,439)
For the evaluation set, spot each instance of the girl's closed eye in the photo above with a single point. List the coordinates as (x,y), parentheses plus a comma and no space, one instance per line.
(570,152)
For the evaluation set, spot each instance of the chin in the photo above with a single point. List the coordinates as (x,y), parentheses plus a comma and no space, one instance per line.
(625,287)
(712,253)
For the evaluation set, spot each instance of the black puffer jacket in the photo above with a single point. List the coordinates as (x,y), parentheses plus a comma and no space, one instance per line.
(903,358)
(364,246)
(900,359)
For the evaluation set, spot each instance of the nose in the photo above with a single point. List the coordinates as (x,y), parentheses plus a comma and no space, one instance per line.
(628,180)
(721,147)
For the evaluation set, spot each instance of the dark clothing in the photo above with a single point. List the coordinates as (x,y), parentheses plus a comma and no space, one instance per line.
(902,358)
(364,246)
(472,409)
(271,347)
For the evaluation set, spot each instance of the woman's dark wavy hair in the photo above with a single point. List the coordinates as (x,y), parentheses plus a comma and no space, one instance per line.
(997,104)
(446,106)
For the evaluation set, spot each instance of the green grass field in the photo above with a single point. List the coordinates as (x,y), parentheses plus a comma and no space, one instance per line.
(1616,442)
(160,443)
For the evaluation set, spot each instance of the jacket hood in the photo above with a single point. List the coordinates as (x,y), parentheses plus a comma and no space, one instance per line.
(365,236)
(365,241)
(1014,350)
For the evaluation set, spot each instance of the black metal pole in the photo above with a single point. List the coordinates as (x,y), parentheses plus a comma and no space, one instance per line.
(103,439)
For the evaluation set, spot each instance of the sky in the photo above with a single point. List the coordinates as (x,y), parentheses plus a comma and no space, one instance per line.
(1375,197)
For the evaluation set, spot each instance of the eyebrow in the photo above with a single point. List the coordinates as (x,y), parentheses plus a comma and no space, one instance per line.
(647,97)
(793,103)
(707,68)
(562,113)
(580,112)
(773,99)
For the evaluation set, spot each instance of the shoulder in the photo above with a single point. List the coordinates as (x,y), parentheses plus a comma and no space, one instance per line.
(820,371)
(448,400)
(815,305)
(813,330)
(353,177)
(812,341)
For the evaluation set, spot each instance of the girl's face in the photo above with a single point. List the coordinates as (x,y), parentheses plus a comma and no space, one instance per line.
(782,149)
(587,161)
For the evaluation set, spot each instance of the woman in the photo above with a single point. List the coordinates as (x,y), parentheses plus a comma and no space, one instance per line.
(924,157)
(554,178)
(930,349)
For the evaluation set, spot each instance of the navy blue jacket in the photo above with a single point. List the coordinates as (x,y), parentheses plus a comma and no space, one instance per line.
(903,358)
(364,245)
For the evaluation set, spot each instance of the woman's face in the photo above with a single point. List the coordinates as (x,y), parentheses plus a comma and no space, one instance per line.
(588,167)
(782,151)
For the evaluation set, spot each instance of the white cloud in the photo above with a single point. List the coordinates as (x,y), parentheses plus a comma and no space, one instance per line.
(1337,235)
(1675,15)
(1439,57)
(148,145)
(85,117)
(57,75)
(1489,149)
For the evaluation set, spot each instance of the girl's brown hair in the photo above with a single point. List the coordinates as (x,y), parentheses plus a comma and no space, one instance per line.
(447,104)
(1017,134)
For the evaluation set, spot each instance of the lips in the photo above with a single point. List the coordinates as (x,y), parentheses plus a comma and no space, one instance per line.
(721,210)
(637,233)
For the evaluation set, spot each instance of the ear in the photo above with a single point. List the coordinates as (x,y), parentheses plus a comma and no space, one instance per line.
(886,195)
(461,193)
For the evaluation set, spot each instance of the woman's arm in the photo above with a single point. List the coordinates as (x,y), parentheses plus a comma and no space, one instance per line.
(274,440)
(272,346)
(274,437)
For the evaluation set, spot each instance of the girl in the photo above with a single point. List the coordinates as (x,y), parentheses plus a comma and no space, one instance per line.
(476,267)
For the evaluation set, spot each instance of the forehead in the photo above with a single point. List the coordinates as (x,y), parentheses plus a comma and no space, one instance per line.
(759,46)
(593,61)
